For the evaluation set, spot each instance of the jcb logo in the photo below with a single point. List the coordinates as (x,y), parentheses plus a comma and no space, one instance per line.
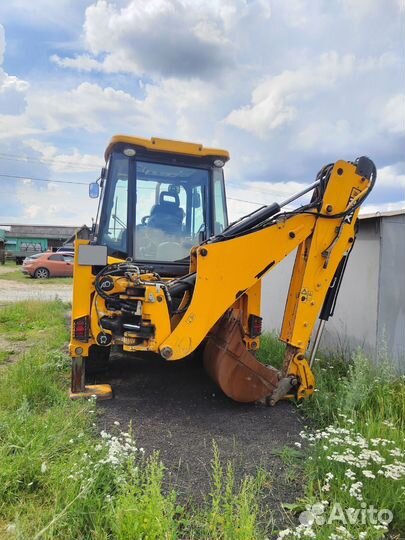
(353,194)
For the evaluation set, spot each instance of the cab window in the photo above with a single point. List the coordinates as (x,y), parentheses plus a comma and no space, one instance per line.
(220,218)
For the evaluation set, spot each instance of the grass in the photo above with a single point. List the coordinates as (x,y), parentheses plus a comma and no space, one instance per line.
(61,479)
(355,451)
(5,355)
(271,351)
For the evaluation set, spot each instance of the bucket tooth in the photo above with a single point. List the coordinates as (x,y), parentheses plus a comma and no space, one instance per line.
(236,371)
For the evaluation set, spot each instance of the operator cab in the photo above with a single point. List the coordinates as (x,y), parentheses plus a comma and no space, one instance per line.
(159,199)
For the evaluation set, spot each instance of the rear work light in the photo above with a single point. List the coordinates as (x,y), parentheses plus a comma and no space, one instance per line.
(81,328)
(255,326)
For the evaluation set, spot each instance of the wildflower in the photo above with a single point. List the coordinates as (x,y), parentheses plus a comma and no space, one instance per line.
(368,474)
(355,491)
(116,423)
(283,534)
(11,528)
(298,444)
(44,467)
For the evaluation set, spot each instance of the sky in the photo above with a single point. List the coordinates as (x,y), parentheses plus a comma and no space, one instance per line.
(285,86)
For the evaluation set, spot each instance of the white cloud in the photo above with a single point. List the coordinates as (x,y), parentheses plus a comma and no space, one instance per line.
(168,38)
(55,203)
(12,89)
(87,107)
(276,100)
(74,162)
(392,176)
(165,37)
(393,115)
(395,206)
(244,197)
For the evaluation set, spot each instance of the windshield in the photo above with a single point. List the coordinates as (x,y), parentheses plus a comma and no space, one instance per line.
(169,217)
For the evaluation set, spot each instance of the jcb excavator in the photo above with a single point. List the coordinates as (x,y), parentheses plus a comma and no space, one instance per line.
(163,271)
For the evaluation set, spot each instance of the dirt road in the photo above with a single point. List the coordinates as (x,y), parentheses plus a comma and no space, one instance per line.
(13,291)
(175,408)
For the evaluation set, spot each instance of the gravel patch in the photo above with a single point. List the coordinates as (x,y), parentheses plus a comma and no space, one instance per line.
(13,291)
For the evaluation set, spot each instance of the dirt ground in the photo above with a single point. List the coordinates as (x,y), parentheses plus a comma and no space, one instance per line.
(14,291)
(176,408)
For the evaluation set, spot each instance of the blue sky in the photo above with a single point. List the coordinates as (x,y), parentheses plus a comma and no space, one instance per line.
(285,86)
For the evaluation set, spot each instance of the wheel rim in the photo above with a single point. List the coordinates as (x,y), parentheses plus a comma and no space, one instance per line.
(42,273)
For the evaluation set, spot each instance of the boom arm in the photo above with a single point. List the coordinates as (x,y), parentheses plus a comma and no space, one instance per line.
(228,270)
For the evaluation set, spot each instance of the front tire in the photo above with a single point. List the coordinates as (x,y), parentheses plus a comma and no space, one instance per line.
(98,360)
(41,273)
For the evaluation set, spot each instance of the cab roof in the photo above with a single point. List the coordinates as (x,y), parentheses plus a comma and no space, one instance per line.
(166,145)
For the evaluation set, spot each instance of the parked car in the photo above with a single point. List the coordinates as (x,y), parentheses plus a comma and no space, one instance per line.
(69,248)
(45,265)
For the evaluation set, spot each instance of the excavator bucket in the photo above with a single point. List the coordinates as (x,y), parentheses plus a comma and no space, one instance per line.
(236,371)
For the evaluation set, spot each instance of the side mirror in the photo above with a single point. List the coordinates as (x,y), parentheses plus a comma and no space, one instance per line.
(94,190)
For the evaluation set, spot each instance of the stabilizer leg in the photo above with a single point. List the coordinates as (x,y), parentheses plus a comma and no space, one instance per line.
(80,390)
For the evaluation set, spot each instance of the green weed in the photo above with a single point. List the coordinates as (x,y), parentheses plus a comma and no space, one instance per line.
(61,480)
(271,351)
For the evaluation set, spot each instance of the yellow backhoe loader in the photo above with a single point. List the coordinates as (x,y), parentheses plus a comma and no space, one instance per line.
(164,272)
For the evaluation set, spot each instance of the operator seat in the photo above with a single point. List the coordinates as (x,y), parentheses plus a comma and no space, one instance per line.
(167,215)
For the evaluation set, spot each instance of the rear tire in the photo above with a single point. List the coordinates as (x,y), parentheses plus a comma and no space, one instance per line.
(98,360)
(41,273)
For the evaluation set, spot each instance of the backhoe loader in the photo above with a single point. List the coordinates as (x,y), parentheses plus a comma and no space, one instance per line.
(164,272)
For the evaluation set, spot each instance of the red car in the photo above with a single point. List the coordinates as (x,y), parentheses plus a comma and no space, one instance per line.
(45,265)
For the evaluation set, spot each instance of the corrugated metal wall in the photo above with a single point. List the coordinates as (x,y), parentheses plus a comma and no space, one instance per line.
(370,312)
(391,305)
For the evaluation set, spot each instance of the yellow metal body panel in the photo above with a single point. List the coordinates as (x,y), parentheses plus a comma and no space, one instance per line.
(227,271)
(318,258)
(167,145)
(83,290)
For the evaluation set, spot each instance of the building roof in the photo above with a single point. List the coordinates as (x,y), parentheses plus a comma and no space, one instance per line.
(59,232)
(383,213)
